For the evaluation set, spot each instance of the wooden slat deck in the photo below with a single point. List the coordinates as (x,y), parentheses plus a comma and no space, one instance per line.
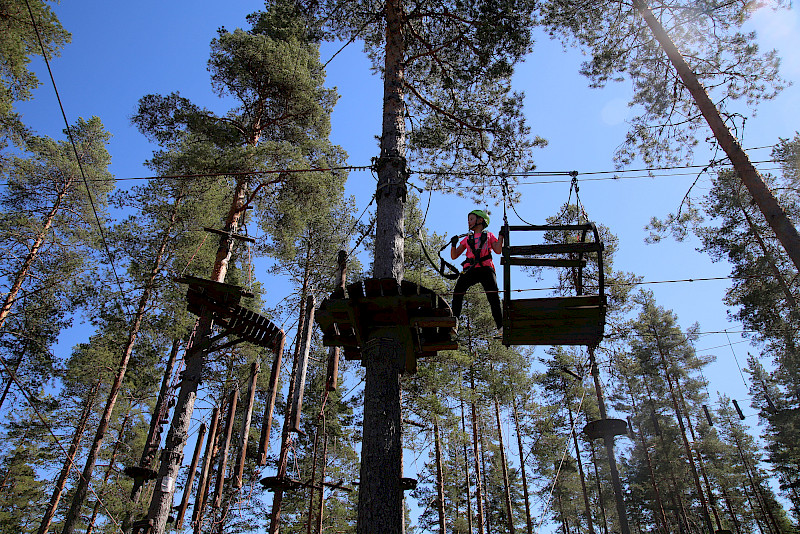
(554,321)
(222,300)
(423,319)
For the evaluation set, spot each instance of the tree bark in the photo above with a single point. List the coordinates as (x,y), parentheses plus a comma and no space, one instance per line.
(773,212)
(439,476)
(153,440)
(205,472)
(187,489)
(466,470)
(506,484)
(587,506)
(528,519)
(226,445)
(33,253)
(304,327)
(172,456)
(44,527)
(380,503)
(476,454)
(83,483)
(245,435)
(622,513)
(109,470)
(686,447)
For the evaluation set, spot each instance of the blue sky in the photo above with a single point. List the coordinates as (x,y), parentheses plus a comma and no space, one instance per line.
(121,51)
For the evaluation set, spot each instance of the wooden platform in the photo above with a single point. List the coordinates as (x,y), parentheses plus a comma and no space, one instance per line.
(554,321)
(222,300)
(605,428)
(574,320)
(423,319)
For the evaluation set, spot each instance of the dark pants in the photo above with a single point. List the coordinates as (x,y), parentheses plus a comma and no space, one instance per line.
(488,279)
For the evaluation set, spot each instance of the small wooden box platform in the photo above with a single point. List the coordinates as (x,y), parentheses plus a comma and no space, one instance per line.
(423,319)
(554,321)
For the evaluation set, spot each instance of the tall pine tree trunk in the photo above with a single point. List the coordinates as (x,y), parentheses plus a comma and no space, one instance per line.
(622,514)
(686,446)
(33,254)
(283,459)
(380,501)
(588,507)
(528,519)
(83,483)
(109,469)
(44,527)
(439,477)
(662,515)
(476,454)
(153,440)
(773,212)
(196,355)
(466,469)
(506,484)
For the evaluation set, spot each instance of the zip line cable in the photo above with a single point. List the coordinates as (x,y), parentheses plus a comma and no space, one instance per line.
(77,158)
(528,174)
(735,358)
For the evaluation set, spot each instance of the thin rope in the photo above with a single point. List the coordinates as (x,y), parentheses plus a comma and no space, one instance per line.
(29,399)
(78,160)
(560,464)
(735,358)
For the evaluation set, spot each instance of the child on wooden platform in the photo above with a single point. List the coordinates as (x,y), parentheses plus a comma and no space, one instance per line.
(478,266)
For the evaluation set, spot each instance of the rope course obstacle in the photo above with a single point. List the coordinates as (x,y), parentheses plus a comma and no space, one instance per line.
(422,318)
(573,320)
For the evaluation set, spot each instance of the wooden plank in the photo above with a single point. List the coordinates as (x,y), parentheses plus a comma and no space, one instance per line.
(548,227)
(555,248)
(372,288)
(352,355)
(410,288)
(389,287)
(557,302)
(543,262)
(356,290)
(433,322)
(557,316)
(518,339)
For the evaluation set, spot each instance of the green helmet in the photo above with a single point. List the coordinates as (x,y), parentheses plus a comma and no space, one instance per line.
(482,215)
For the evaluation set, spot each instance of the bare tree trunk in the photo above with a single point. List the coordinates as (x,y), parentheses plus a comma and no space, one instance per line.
(321,508)
(711,497)
(153,440)
(599,489)
(205,472)
(187,490)
(476,455)
(304,327)
(622,513)
(380,502)
(226,444)
(662,515)
(110,469)
(506,484)
(83,483)
(33,253)
(773,212)
(44,527)
(245,435)
(466,469)
(588,507)
(439,476)
(172,456)
(687,448)
(528,519)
